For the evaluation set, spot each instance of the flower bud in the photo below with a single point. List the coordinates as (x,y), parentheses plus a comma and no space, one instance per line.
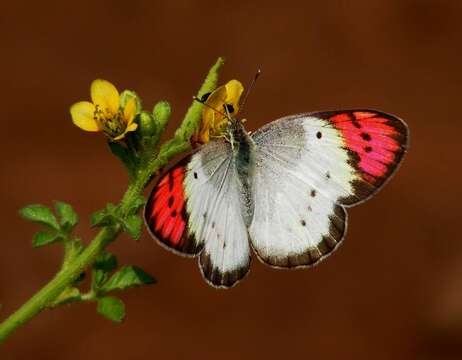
(161,113)
(126,95)
(147,124)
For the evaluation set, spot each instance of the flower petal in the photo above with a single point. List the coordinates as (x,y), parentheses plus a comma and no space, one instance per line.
(130,111)
(104,94)
(234,91)
(213,115)
(131,127)
(83,116)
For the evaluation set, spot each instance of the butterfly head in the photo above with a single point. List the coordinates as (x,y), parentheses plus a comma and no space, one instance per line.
(235,131)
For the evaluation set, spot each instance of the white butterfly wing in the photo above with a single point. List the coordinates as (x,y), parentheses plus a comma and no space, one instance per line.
(215,214)
(195,210)
(307,168)
(296,221)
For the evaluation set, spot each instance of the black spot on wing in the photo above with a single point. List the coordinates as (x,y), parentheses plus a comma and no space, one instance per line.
(366,136)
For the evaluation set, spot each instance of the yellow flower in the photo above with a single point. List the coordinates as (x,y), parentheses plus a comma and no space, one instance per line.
(213,122)
(105,113)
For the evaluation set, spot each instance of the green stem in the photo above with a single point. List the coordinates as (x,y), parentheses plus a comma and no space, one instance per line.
(76,265)
(56,286)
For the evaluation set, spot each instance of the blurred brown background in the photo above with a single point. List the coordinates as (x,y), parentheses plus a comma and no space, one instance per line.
(393,291)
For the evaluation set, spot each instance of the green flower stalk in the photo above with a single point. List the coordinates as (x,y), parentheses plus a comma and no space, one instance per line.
(133,136)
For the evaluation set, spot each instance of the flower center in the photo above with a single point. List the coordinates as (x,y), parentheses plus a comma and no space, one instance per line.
(112,124)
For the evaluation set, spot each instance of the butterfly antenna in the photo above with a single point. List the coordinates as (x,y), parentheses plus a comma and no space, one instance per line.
(211,107)
(228,115)
(249,89)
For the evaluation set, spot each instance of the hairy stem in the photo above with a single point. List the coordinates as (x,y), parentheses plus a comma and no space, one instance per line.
(76,265)
(56,286)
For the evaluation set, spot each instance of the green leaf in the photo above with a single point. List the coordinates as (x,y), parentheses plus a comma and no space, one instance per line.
(43,238)
(105,261)
(137,204)
(104,217)
(99,218)
(133,225)
(69,295)
(127,277)
(40,214)
(68,217)
(103,265)
(111,308)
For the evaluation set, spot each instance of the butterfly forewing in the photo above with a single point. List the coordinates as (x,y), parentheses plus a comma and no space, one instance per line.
(375,142)
(199,198)
(307,167)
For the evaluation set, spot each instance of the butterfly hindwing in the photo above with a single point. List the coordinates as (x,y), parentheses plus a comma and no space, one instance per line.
(307,168)
(202,188)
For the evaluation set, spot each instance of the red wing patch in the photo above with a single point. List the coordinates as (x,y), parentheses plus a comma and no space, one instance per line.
(376,143)
(165,212)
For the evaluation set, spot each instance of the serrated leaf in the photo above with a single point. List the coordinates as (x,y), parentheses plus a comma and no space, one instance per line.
(40,214)
(99,218)
(67,216)
(111,308)
(127,277)
(104,217)
(43,238)
(98,278)
(103,265)
(133,225)
(106,262)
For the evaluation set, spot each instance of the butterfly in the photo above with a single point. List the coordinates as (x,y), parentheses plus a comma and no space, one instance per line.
(282,190)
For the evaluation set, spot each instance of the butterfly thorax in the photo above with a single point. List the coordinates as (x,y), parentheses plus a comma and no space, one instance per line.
(244,160)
